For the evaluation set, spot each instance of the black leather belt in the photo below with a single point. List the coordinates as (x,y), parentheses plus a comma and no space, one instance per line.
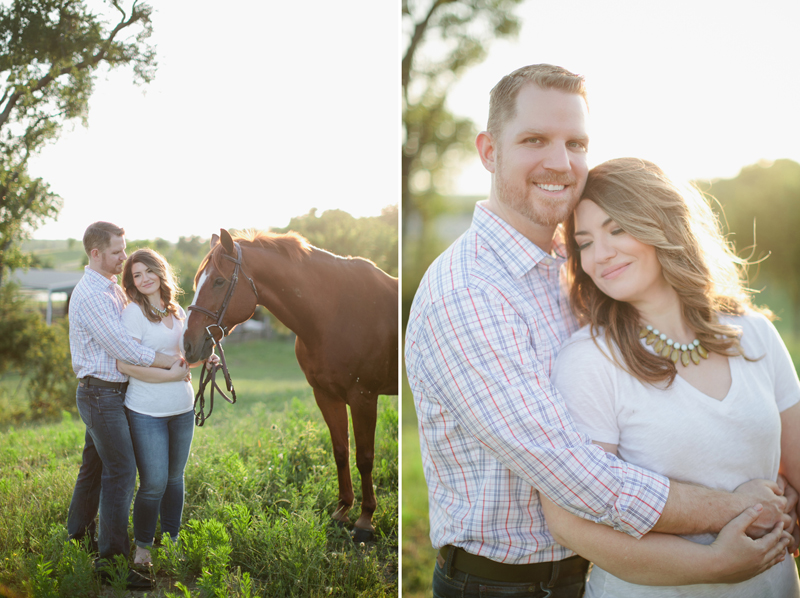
(92,381)
(555,573)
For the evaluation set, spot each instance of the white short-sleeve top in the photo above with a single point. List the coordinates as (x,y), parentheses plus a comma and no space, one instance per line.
(165,398)
(687,435)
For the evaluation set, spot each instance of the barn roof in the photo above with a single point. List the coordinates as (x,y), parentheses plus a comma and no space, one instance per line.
(47,279)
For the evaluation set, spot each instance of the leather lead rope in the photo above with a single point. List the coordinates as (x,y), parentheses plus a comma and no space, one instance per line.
(200,416)
(206,376)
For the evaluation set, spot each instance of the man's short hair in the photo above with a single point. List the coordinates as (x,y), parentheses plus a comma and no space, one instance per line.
(503,97)
(98,236)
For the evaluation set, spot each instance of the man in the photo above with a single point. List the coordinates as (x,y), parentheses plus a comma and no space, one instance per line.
(97,339)
(483,333)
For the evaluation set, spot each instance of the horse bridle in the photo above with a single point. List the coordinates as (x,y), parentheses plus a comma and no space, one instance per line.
(220,314)
(206,376)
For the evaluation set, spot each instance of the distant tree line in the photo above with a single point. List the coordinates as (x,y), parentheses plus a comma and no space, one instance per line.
(372,237)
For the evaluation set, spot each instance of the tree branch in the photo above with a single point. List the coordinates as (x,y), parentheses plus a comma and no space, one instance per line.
(83,65)
(419,33)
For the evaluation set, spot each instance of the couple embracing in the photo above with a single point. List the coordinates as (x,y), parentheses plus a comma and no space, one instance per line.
(603,391)
(133,395)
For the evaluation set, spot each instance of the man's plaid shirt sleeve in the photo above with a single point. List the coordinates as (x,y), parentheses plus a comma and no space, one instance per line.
(101,318)
(483,370)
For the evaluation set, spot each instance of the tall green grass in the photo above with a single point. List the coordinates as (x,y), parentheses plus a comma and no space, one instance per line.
(418,554)
(260,489)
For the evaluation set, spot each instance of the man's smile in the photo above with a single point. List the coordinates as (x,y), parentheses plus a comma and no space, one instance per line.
(553,188)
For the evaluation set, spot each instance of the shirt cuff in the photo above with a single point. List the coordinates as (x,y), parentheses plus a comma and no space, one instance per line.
(147,357)
(641,501)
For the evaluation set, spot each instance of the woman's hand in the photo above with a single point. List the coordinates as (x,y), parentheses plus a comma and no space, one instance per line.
(791,509)
(770,495)
(212,361)
(739,556)
(794,545)
(178,371)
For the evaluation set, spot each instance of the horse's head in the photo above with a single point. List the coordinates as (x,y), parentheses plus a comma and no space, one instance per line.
(224,297)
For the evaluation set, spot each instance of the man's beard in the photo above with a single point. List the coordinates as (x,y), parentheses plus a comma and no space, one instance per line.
(113,267)
(534,203)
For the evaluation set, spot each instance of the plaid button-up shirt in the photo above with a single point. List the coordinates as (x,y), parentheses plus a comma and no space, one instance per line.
(97,337)
(485,328)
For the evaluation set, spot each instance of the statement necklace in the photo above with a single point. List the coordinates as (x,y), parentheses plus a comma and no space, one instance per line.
(160,313)
(668,348)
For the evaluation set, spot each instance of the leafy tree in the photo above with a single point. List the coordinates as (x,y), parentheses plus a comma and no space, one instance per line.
(50,53)
(375,237)
(443,39)
(762,212)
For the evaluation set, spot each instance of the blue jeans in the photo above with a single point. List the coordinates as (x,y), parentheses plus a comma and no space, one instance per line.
(161,445)
(463,585)
(107,475)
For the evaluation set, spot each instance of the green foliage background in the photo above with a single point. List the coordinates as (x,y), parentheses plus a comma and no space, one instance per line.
(760,209)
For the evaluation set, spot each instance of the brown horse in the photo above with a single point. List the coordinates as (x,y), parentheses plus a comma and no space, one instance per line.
(344,313)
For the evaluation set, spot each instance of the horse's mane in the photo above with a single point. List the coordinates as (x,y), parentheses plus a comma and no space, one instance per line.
(291,244)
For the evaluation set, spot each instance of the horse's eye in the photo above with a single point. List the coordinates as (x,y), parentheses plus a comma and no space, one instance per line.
(219,282)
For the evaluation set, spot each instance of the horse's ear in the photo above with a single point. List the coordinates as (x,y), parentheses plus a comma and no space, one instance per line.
(214,240)
(227,241)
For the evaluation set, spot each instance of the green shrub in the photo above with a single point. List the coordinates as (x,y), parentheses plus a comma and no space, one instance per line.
(74,571)
(51,379)
(37,356)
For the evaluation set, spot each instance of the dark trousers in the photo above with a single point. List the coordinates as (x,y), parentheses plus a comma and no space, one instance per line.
(464,585)
(107,475)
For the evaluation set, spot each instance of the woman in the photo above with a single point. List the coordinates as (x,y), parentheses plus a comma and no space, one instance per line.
(159,403)
(676,371)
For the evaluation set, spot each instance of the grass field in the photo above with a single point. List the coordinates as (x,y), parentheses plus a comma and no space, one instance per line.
(260,488)
(59,255)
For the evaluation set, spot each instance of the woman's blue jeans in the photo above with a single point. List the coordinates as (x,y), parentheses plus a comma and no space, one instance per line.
(161,446)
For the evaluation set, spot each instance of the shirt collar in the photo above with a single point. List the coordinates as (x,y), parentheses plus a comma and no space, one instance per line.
(96,278)
(519,253)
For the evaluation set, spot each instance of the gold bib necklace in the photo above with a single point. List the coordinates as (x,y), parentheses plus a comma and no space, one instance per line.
(161,313)
(669,349)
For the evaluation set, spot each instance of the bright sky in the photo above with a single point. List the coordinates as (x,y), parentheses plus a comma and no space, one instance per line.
(263,110)
(259,111)
(700,87)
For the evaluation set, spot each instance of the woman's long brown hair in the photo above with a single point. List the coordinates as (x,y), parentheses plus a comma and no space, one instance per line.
(169,285)
(694,256)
